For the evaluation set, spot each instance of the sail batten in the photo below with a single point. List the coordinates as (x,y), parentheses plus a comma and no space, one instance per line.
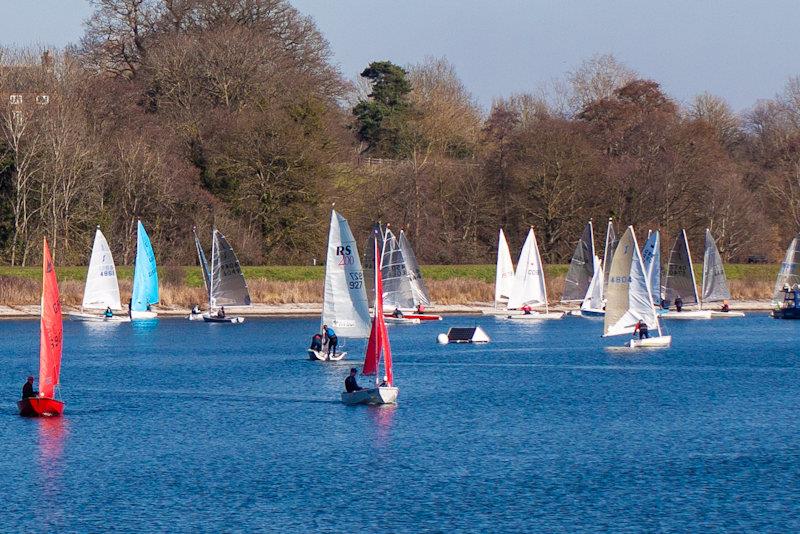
(145,277)
(228,286)
(715,284)
(581,268)
(345,306)
(529,284)
(680,280)
(51,337)
(102,288)
(504,275)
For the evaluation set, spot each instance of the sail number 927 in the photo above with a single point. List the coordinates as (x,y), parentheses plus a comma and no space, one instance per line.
(356,280)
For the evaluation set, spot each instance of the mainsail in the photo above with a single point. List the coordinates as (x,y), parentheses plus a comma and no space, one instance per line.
(504,277)
(145,275)
(378,343)
(201,258)
(715,285)
(228,287)
(345,306)
(680,276)
(594,295)
(50,338)
(651,256)
(397,290)
(628,292)
(608,251)
(789,273)
(581,268)
(413,272)
(529,286)
(102,288)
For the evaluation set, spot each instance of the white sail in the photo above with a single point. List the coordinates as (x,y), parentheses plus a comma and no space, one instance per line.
(789,273)
(529,286)
(102,288)
(504,277)
(397,289)
(680,275)
(651,255)
(345,306)
(608,251)
(413,272)
(594,295)
(581,267)
(715,285)
(228,287)
(628,292)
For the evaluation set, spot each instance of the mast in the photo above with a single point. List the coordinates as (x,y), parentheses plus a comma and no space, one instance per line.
(213,260)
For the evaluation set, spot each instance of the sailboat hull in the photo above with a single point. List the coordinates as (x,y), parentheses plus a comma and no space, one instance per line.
(693,314)
(500,312)
(378,395)
(650,342)
(421,317)
(80,316)
(726,315)
(40,407)
(588,313)
(535,316)
(143,315)
(400,320)
(322,356)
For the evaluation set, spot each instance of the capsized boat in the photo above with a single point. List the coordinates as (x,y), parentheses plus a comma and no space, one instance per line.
(529,285)
(51,341)
(344,306)
(102,288)
(680,282)
(224,280)
(145,277)
(628,296)
(715,284)
(378,348)
(786,296)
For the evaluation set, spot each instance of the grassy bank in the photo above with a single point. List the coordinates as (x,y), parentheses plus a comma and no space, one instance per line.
(448,284)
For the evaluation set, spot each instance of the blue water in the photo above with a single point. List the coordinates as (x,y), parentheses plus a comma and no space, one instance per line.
(193,427)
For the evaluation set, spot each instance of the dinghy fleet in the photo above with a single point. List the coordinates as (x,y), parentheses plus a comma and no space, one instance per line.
(624,289)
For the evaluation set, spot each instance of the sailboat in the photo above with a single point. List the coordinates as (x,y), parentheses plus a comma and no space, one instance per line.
(786,296)
(715,284)
(504,277)
(529,285)
(50,345)
(102,288)
(628,296)
(581,268)
(224,280)
(651,255)
(378,348)
(404,288)
(344,307)
(145,277)
(681,282)
(593,304)
(608,251)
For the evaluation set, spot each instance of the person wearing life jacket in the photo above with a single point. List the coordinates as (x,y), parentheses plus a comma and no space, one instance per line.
(350,383)
(725,307)
(397,313)
(27,389)
(526,309)
(678,303)
(330,339)
(108,313)
(316,342)
(420,309)
(641,327)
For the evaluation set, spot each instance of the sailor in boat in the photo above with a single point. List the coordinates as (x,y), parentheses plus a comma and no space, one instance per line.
(397,313)
(130,307)
(195,310)
(221,312)
(330,339)
(350,384)
(725,307)
(108,313)
(27,389)
(641,327)
(316,342)
(526,310)
(678,303)
(420,309)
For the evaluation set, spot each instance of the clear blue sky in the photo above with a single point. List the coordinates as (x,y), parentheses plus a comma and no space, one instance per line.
(742,50)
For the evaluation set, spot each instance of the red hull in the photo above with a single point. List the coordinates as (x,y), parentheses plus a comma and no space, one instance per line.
(424,317)
(40,407)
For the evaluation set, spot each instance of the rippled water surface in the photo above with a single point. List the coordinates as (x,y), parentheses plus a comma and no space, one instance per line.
(181,426)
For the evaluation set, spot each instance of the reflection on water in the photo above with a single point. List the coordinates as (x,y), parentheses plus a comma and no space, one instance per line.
(52,432)
(383,418)
(144,327)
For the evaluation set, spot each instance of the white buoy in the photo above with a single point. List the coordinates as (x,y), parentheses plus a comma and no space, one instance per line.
(442,339)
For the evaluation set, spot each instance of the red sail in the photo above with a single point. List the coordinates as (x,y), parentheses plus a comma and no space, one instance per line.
(378,337)
(51,339)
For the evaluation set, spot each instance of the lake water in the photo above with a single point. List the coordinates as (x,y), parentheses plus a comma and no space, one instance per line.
(189,427)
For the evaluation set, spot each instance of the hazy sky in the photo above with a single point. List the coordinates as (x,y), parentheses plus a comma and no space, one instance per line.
(739,49)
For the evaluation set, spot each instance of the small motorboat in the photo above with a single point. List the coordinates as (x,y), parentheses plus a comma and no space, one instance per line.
(210,317)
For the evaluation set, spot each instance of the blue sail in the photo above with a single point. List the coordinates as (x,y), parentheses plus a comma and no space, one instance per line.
(145,276)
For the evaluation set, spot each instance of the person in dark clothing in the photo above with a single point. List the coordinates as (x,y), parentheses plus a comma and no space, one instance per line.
(27,389)
(397,313)
(526,309)
(108,312)
(316,342)
(641,327)
(330,339)
(725,306)
(678,303)
(221,312)
(350,384)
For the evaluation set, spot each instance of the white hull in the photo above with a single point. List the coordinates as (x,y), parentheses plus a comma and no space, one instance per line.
(322,356)
(726,315)
(212,318)
(500,312)
(536,316)
(400,320)
(378,395)
(588,313)
(693,314)
(143,314)
(195,316)
(650,342)
(80,316)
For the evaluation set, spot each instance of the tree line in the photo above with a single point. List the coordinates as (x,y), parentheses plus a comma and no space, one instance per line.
(232,113)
